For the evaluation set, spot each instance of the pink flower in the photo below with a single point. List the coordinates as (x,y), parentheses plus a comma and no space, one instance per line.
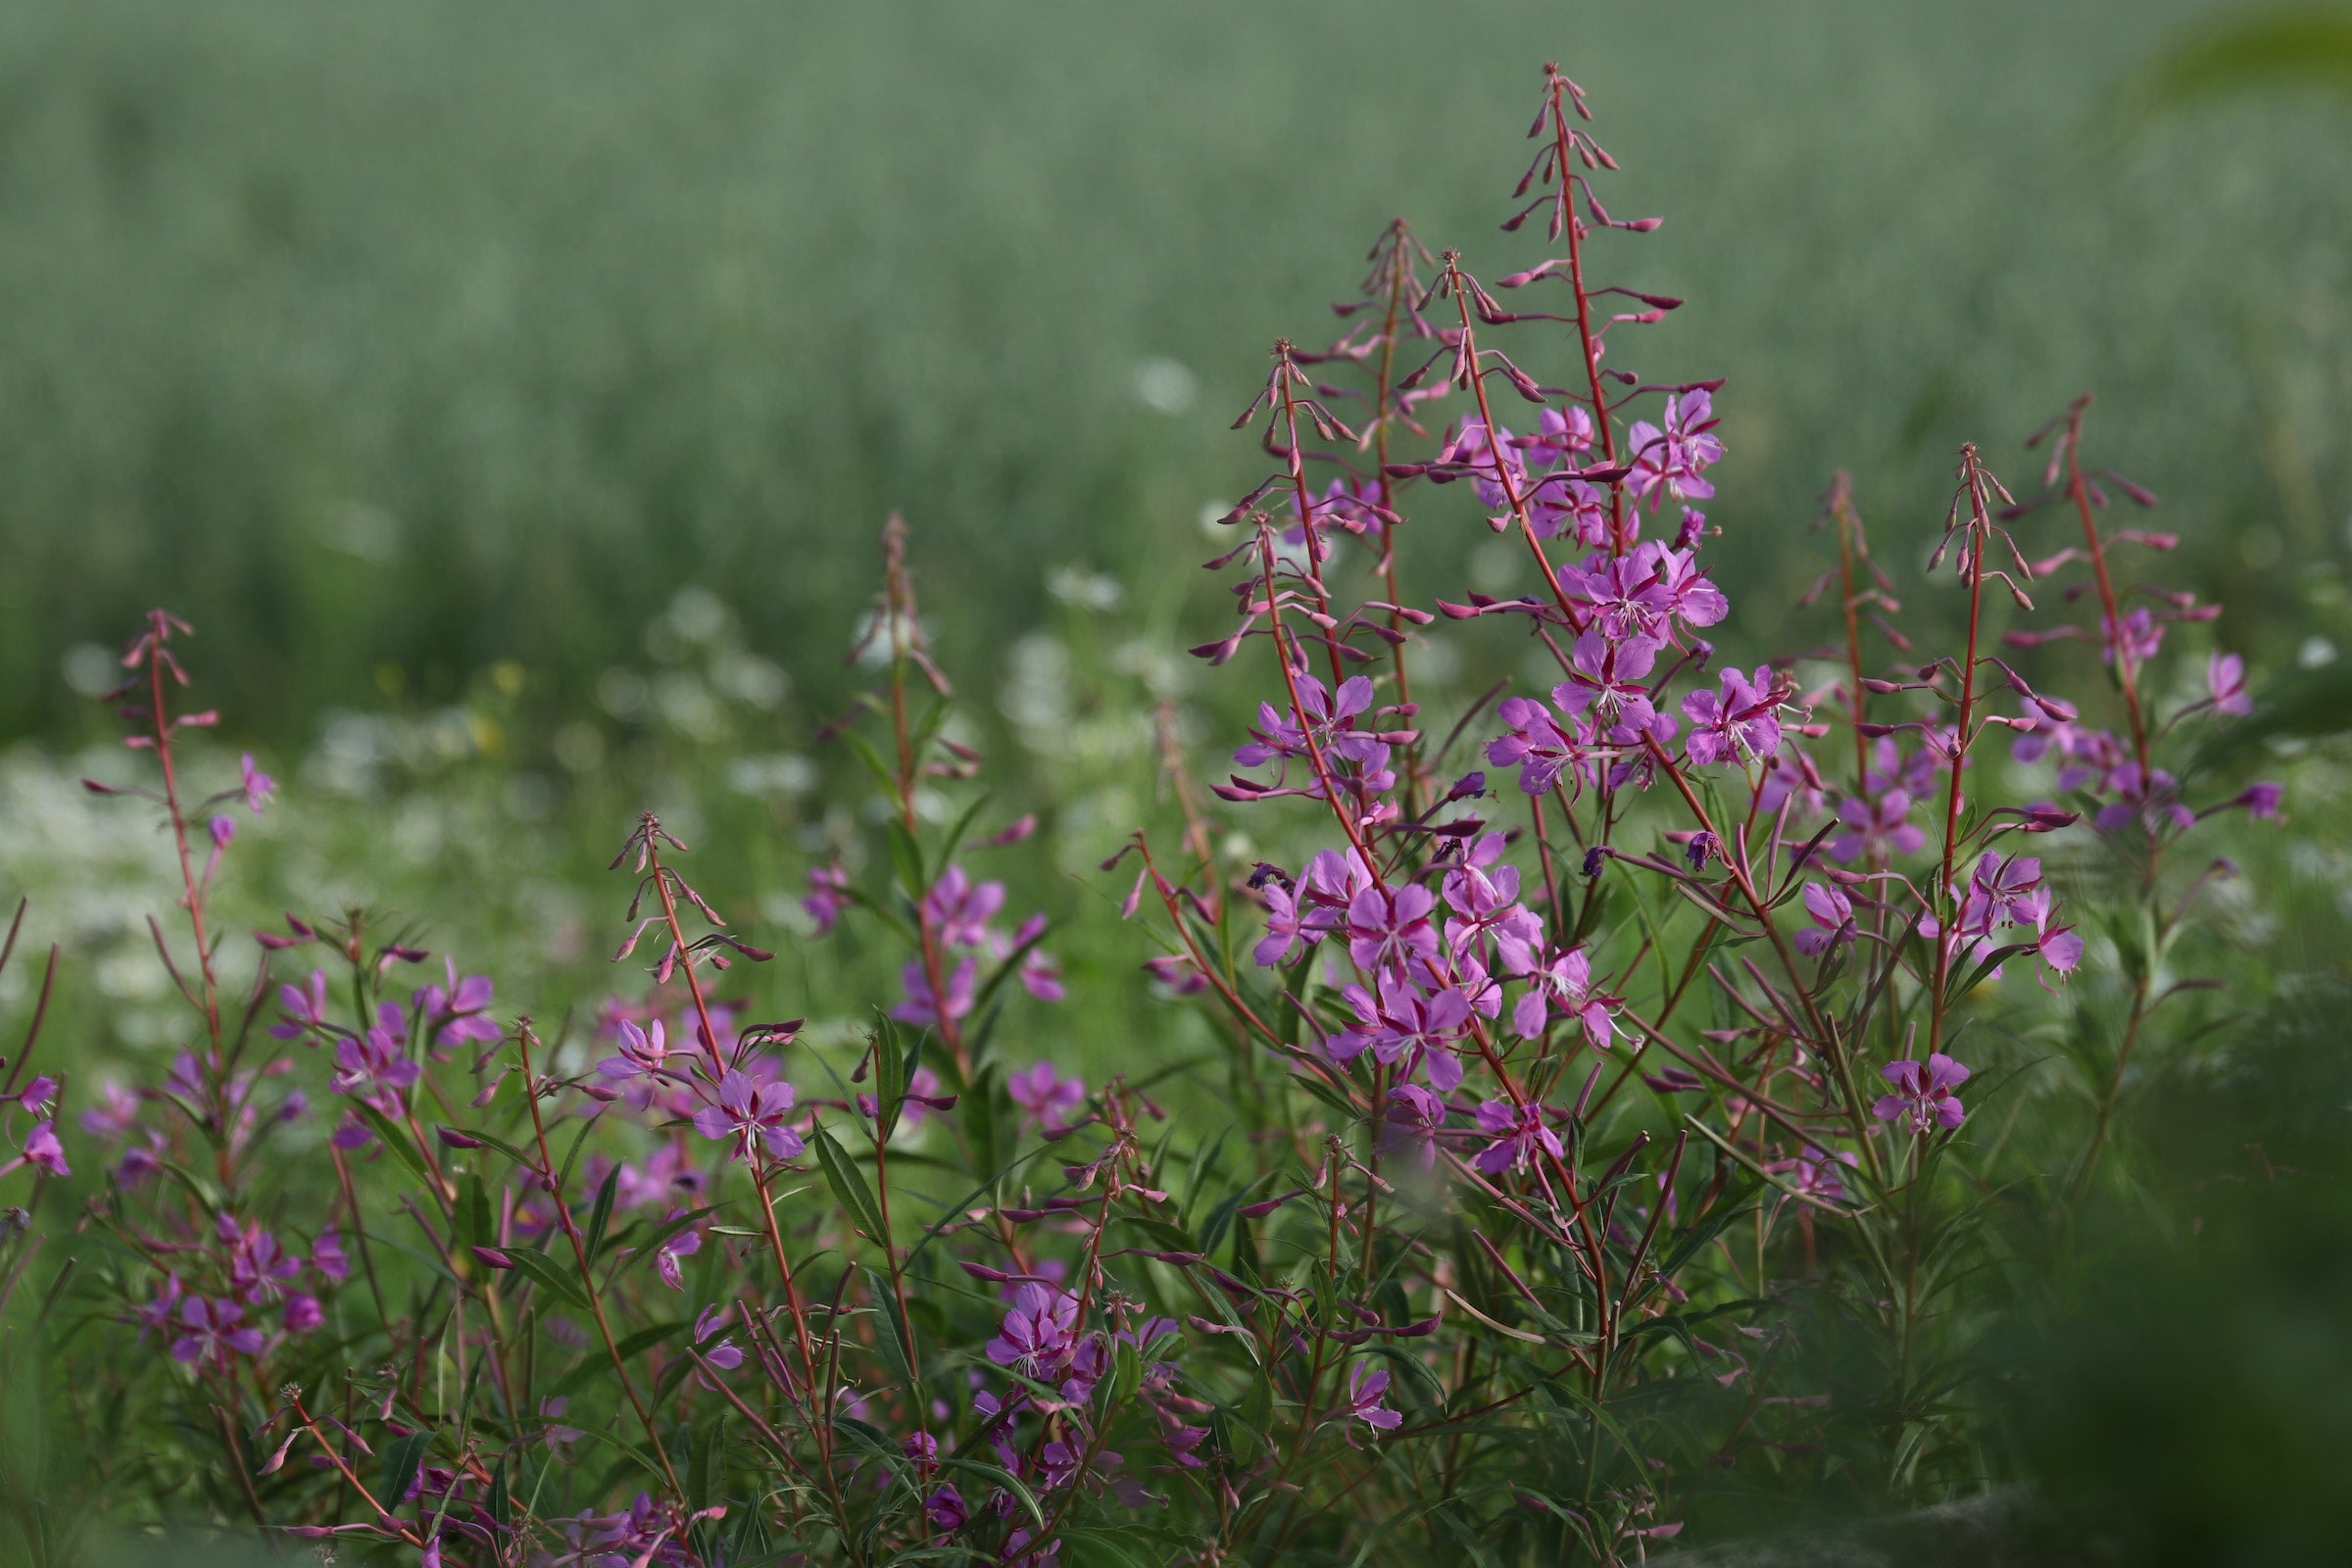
(1408,1026)
(751,1115)
(1923,1096)
(1816,1172)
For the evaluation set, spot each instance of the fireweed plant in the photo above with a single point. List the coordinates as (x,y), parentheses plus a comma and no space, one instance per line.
(1600,1047)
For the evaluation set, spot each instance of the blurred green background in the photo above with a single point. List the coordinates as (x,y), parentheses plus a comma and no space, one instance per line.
(387,343)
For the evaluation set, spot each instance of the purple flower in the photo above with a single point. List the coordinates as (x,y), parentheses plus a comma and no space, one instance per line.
(1044,1096)
(1040,972)
(1738,723)
(1689,596)
(2138,638)
(460,1010)
(751,1115)
(828,896)
(1562,503)
(371,1067)
(224,831)
(945,1509)
(1817,1173)
(1278,734)
(1415,1117)
(1366,1388)
(213,1334)
(1535,745)
(1288,925)
(1518,1131)
(1484,894)
(959,910)
(326,1254)
(1558,432)
(303,1312)
(155,1315)
(306,1009)
(1039,1335)
(1605,678)
(920,1008)
(255,785)
(1832,916)
(1923,1096)
(2262,800)
(1879,828)
(257,1265)
(2225,681)
(1563,982)
(1998,892)
(642,1053)
(559,1436)
(2057,945)
(682,1244)
(723,1356)
(42,1148)
(1667,461)
(1385,930)
(114,1118)
(1407,1026)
